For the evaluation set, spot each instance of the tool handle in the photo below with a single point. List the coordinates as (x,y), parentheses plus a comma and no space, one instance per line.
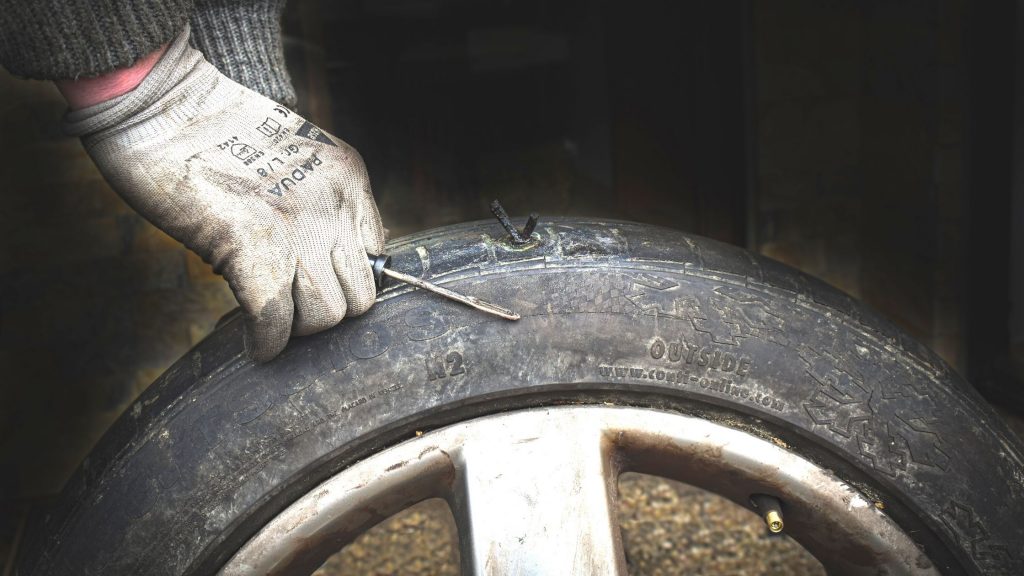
(377,264)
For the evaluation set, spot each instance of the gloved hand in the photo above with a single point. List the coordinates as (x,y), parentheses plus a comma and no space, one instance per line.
(281,209)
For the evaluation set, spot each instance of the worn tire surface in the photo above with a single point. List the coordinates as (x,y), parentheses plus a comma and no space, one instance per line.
(612,312)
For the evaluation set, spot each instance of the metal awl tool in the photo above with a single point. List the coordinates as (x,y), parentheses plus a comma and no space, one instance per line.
(380,269)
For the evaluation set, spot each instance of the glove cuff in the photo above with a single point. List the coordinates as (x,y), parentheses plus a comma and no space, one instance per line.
(181,82)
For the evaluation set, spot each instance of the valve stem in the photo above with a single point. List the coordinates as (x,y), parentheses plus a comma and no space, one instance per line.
(771,511)
(774,521)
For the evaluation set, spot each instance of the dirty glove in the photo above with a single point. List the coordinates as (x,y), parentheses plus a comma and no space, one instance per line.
(281,209)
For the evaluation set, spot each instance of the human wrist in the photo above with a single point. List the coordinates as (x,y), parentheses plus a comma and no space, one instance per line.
(178,84)
(85,92)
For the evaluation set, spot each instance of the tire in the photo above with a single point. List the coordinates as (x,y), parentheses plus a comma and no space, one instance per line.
(613,312)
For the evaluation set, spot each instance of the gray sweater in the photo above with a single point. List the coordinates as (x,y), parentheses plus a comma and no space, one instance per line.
(67,39)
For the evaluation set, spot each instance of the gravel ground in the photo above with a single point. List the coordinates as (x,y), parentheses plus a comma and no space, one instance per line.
(667,527)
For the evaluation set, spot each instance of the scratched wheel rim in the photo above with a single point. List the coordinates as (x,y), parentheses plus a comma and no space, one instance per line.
(536,490)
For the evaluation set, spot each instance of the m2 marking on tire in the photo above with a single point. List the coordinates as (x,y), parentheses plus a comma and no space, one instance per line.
(444,366)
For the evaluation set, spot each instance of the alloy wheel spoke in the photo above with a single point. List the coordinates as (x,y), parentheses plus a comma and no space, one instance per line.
(555,515)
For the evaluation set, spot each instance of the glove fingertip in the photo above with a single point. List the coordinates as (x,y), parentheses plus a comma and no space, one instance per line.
(362,296)
(372,231)
(262,350)
(372,242)
(356,278)
(267,331)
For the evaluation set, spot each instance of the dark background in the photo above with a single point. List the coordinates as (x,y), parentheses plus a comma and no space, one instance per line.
(868,143)
(878,145)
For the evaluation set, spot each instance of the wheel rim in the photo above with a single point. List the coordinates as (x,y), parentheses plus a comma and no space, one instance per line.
(534,492)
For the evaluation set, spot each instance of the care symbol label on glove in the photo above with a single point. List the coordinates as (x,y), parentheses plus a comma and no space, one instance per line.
(269,127)
(309,130)
(242,151)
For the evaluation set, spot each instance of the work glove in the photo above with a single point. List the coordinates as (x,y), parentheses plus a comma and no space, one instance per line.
(280,208)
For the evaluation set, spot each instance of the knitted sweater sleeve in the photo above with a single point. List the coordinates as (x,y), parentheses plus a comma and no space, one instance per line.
(242,38)
(69,39)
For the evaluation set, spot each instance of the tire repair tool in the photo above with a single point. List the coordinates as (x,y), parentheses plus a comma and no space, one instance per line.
(380,269)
